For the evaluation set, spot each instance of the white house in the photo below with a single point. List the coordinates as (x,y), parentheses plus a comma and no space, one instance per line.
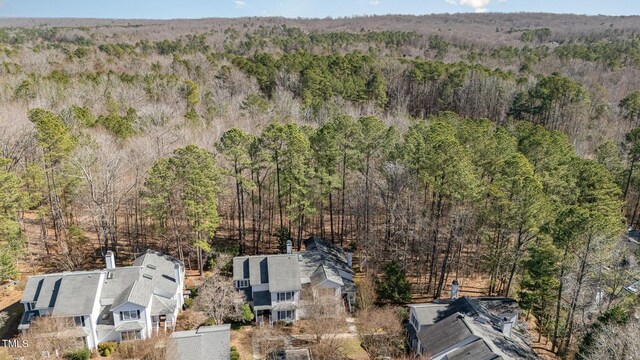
(272,283)
(112,304)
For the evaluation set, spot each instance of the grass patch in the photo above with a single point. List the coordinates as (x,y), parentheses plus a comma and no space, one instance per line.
(353,350)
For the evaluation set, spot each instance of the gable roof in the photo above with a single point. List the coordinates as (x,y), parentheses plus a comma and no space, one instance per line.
(117,281)
(323,252)
(323,273)
(445,334)
(441,327)
(208,342)
(162,269)
(42,290)
(281,272)
(284,273)
(476,350)
(494,309)
(138,293)
(77,294)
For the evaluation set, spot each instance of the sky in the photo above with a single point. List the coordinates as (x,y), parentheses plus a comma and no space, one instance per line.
(171,9)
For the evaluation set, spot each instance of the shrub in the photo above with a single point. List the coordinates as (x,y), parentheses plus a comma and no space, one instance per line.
(247,313)
(106,349)
(235,355)
(82,354)
(188,302)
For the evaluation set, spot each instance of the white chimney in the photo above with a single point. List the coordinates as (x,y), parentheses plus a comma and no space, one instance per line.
(289,246)
(507,325)
(177,274)
(110,260)
(350,259)
(454,289)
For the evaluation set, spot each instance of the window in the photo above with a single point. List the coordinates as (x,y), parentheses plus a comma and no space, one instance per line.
(414,321)
(240,284)
(287,315)
(129,315)
(78,320)
(31,306)
(130,335)
(285,296)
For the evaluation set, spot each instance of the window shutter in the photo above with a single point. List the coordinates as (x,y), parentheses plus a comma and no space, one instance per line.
(138,311)
(121,317)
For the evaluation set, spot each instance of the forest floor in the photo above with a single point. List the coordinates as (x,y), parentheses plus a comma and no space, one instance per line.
(10,311)
(543,347)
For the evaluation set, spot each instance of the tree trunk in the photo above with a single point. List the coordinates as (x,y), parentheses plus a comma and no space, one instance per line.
(443,270)
(626,186)
(576,295)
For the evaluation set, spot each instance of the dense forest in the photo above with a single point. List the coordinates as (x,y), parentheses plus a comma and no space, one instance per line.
(500,147)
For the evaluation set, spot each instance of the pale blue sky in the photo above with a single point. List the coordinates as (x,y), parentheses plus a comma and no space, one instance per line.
(167,9)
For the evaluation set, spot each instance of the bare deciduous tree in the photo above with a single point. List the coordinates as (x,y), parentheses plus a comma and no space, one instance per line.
(380,332)
(219,299)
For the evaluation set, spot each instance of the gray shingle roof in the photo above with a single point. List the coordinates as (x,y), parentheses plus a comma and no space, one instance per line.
(240,268)
(429,314)
(42,290)
(474,351)
(208,342)
(130,326)
(451,322)
(444,334)
(284,273)
(324,272)
(121,279)
(74,293)
(254,268)
(77,294)
(138,293)
(491,308)
(163,270)
(284,306)
(327,252)
(162,306)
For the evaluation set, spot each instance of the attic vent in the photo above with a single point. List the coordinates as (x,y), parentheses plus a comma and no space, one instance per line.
(110,275)
(152,267)
(147,276)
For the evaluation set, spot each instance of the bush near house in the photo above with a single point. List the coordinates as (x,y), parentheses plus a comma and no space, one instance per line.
(82,354)
(106,349)
(235,355)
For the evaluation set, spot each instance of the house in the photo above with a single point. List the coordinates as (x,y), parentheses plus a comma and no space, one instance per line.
(273,283)
(205,343)
(112,304)
(467,328)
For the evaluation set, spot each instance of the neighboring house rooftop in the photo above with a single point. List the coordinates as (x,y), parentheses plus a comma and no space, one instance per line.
(444,334)
(494,309)
(208,342)
(68,294)
(463,322)
(74,293)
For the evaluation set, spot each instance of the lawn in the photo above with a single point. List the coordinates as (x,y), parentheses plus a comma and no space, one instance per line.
(353,350)
(241,339)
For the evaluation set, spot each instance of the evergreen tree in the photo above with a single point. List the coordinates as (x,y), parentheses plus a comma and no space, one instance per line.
(394,286)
